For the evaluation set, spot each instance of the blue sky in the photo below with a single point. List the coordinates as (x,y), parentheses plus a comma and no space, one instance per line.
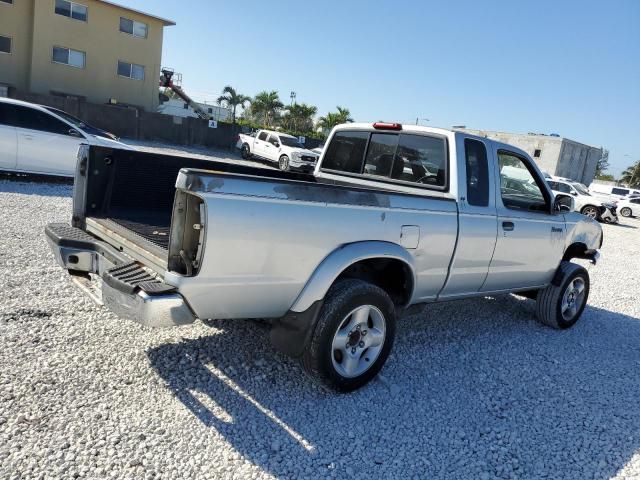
(570,67)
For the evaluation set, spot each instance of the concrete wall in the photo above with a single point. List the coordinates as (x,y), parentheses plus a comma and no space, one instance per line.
(578,161)
(99,37)
(16,22)
(140,125)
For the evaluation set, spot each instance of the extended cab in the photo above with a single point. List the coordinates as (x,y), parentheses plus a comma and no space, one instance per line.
(393,216)
(277,147)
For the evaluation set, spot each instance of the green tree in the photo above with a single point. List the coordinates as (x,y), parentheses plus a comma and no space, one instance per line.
(331,119)
(631,176)
(266,106)
(232,99)
(299,117)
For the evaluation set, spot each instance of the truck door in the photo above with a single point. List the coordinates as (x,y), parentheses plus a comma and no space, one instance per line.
(272,147)
(477,221)
(259,143)
(530,238)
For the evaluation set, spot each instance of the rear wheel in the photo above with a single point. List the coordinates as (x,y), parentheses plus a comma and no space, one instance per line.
(590,211)
(625,212)
(246,152)
(353,336)
(283,163)
(560,306)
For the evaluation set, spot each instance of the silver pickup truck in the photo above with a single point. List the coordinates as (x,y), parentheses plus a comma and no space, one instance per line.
(392,216)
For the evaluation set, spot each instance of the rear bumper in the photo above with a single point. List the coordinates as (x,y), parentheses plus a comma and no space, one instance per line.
(127,288)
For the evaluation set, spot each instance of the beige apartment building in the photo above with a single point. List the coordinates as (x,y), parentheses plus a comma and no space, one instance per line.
(95,50)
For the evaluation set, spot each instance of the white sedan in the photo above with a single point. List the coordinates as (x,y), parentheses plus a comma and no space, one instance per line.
(44,140)
(629,207)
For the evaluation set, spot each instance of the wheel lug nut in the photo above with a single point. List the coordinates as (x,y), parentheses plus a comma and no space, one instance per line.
(353,350)
(364,332)
(361,344)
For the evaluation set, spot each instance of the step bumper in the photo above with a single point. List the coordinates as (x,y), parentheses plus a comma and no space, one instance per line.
(126,287)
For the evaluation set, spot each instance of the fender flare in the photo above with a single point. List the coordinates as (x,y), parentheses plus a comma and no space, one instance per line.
(343,257)
(291,333)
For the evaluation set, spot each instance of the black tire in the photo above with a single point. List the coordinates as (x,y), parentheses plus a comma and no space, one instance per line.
(625,211)
(590,211)
(342,298)
(550,299)
(283,163)
(246,151)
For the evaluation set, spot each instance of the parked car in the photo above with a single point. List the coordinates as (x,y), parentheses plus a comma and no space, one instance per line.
(44,140)
(278,147)
(585,202)
(332,257)
(613,190)
(629,207)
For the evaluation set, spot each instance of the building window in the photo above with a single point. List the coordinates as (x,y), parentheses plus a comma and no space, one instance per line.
(186,106)
(5,44)
(67,56)
(130,70)
(536,153)
(10,2)
(71,10)
(137,29)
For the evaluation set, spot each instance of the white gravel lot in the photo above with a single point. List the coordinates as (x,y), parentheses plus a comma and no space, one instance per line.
(473,390)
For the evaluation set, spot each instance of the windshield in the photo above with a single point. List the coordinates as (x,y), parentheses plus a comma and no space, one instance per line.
(582,190)
(291,142)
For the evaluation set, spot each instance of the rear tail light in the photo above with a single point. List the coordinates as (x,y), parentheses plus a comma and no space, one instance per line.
(387,126)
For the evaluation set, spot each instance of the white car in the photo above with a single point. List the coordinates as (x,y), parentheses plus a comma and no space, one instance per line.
(629,207)
(592,206)
(278,147)
(44,140)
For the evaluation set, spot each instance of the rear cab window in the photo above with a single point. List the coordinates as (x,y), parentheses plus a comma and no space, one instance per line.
(406,158)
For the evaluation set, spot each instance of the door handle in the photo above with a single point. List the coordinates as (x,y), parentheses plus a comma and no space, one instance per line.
(27,137)
(508,226)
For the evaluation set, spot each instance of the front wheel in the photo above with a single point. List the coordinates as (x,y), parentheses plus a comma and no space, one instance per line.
(590,211)
(625,212)
(352,337)
(283,163)
(560,305)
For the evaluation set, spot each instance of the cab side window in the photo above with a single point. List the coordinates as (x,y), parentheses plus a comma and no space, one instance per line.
(274,140)
(564,188)
(518,186)
(262,136)
(477,173)
(32,119)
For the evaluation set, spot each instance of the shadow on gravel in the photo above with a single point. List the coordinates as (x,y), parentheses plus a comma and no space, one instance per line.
(472,386)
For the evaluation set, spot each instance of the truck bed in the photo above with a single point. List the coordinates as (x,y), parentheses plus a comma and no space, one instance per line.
(129,196)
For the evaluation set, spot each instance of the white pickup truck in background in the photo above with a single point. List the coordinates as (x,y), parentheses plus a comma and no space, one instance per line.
(278,147)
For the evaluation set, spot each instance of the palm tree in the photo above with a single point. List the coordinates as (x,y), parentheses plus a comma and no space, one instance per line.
(335,118)
(267,105)
(631,176)
(233,99)
(299,117)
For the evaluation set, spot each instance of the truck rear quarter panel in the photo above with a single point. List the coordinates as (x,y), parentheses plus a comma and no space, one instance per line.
(265,239)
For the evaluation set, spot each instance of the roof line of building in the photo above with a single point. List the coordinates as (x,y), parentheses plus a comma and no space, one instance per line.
(167,23)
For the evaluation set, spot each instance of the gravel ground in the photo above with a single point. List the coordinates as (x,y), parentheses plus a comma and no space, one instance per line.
(474,389)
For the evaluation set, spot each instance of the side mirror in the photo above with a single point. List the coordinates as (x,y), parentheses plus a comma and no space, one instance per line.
(563,203)
(74,133)
(277,145)
(574,193)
